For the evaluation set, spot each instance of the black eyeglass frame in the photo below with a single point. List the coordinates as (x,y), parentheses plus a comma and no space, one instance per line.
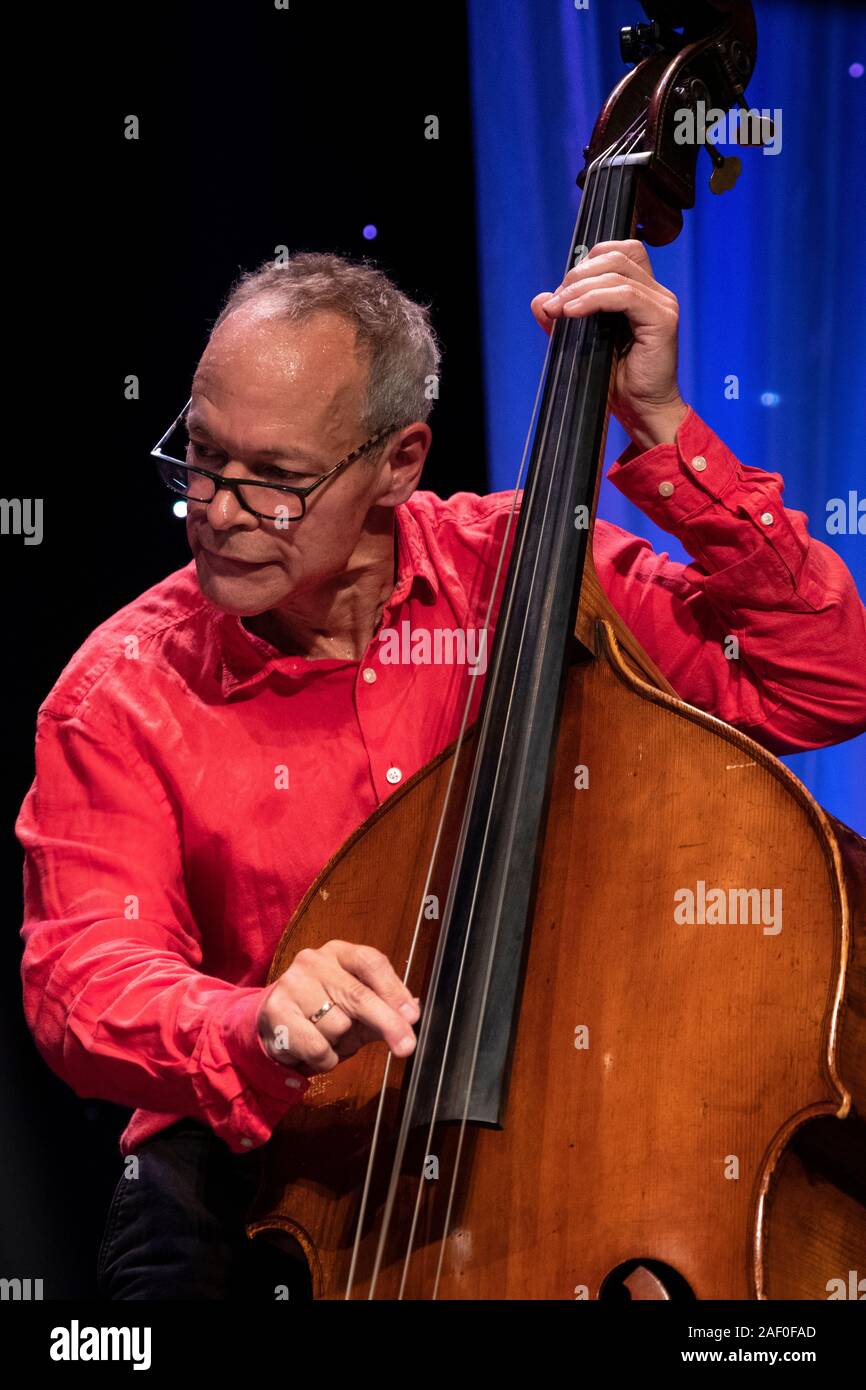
(234,484)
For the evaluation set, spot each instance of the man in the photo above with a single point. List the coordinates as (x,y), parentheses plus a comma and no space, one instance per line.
(213,744)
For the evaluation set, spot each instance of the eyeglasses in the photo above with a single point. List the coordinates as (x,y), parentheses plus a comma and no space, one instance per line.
(275,501)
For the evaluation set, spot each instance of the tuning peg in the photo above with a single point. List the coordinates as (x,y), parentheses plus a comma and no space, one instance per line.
(726,171)
(766,132)
(639,41)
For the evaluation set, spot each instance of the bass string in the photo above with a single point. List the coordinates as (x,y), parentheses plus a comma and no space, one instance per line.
(578,340)
(592,171)
(577,351)
(423,1036)
(422,1040)
(597,236)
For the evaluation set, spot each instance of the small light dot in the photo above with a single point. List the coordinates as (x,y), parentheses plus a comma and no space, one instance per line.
(370,232)
(770,398)
(179,509)
(855,70)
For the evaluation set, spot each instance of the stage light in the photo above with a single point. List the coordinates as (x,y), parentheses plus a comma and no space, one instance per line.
(370,232)
(179,509)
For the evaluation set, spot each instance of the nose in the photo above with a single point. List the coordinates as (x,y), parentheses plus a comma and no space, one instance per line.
(224,512)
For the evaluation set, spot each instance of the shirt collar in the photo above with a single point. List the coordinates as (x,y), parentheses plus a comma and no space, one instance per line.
(239,659)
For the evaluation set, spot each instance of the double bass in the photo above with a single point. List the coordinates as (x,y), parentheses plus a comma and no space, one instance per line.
(603,1102)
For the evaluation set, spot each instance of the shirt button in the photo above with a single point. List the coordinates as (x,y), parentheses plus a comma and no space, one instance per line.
(665,489)
(766,518)
(246,1143)
(699,463)
(368,674)
(393,774)
(293,1082)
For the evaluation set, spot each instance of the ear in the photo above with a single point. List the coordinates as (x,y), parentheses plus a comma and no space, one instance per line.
(403,463)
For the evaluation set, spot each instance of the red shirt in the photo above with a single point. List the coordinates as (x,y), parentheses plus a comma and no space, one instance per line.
(191,781)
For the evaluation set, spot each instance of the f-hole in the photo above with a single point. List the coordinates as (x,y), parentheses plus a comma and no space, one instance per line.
(644,1279)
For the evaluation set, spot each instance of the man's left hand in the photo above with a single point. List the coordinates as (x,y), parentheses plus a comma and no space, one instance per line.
(616,277)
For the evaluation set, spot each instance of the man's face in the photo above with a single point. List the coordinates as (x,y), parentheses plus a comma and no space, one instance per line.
(270,396)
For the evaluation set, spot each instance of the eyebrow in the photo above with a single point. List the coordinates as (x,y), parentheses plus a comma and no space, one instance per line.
(193,421)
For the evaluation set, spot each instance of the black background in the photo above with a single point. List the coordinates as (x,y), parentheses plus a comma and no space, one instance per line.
(258,128)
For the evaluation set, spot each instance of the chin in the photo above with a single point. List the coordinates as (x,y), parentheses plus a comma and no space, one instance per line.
(243,597)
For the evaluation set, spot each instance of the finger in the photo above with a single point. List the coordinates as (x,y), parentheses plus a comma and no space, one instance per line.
(614,262)
(611,262)
(297,1041)
(344,1034)
(310,1045)
(365,985)
(288,1034)
(612,294)
(375,970)
(537,306)
(297,996)
(352,1041)
(649,294)
(335,1023)
(365,1007)
(630,247)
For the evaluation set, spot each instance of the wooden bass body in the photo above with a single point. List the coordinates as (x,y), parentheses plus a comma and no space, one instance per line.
(685,1099)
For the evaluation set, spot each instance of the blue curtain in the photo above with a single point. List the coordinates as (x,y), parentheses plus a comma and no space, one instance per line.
(771,277)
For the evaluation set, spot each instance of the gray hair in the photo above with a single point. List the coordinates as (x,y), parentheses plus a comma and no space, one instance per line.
(396,332)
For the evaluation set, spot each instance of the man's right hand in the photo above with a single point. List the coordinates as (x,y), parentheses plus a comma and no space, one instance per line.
(371,1004)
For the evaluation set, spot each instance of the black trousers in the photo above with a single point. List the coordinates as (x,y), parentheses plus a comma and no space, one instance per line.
(177,1230)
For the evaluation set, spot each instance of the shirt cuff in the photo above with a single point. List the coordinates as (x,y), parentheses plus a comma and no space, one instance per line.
(698,490)
(672,482)
(250,1056)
